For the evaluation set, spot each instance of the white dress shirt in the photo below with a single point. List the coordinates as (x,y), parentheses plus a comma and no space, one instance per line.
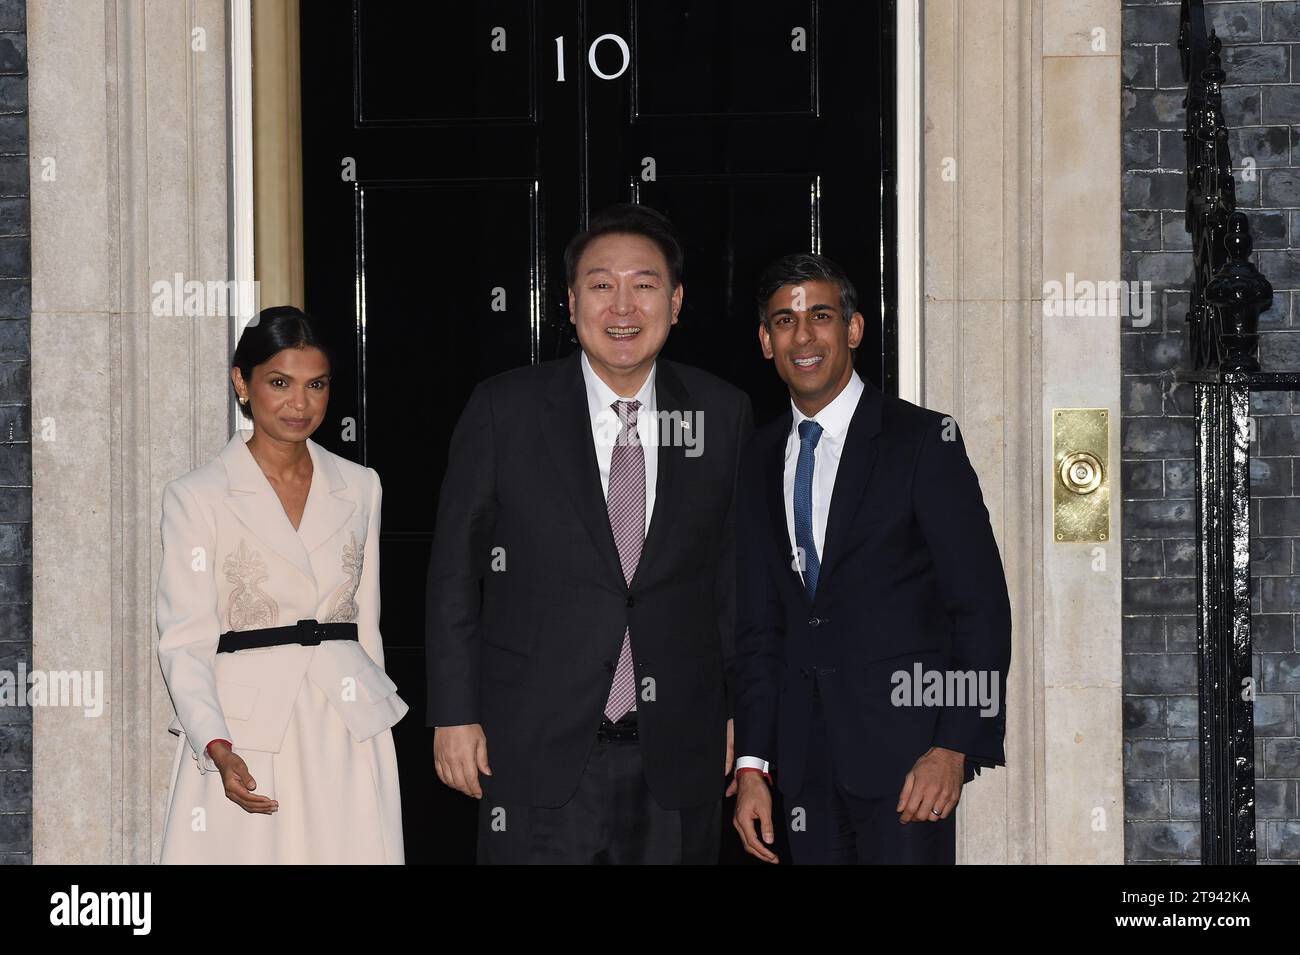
(834,419)
(606,427)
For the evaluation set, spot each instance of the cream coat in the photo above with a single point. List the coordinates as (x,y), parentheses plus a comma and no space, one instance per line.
(232,561)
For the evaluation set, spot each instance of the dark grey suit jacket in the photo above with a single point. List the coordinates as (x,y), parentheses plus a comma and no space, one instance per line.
(528,650)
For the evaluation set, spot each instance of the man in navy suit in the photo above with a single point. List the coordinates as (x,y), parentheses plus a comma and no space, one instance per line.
(873,629)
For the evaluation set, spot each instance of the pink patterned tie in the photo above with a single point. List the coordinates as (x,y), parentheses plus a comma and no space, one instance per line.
(626,503)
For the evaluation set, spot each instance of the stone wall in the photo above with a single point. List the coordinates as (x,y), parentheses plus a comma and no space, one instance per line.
(128,108)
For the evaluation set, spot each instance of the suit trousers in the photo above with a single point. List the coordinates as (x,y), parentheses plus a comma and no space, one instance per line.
(830,826)
(612,819)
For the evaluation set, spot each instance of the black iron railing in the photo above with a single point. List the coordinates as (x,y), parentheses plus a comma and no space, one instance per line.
(1228,295)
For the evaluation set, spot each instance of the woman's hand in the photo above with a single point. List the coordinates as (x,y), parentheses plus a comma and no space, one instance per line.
(239,782)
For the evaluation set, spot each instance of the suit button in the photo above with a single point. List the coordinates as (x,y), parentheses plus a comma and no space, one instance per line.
(814,621)
(609,665)
(631,601)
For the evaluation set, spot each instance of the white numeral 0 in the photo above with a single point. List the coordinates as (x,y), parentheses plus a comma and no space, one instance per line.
(622,45)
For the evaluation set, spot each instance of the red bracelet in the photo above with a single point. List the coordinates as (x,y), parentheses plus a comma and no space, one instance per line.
(208,749)
(755,769)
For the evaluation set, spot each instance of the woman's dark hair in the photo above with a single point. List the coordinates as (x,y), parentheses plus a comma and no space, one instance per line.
(628,219)
(274,330)
(804,267)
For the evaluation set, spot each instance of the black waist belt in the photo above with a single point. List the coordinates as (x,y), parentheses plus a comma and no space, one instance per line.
(307,632)
(621,732)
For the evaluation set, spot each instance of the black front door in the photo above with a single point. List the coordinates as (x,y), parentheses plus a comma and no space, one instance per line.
(450,152)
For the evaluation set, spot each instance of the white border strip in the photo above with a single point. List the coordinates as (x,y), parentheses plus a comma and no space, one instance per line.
(241,170)
(907,135)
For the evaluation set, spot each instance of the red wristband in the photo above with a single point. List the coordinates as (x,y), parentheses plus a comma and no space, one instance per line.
(208,749)
(755,769)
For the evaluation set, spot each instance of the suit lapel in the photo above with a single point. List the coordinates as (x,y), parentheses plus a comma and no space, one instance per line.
(774,467)
(330,503)
(670,396)
(255,503)
(856,464)
(567,431)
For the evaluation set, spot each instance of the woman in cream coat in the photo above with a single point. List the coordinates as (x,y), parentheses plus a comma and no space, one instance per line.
(268,620)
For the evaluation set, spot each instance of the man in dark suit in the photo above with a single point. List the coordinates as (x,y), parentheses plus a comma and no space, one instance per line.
(873,624)
(581,592)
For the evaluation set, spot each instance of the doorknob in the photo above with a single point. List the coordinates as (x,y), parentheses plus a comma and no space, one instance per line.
(1081,474)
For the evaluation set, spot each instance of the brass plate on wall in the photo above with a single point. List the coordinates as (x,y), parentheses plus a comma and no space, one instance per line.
(1080,474)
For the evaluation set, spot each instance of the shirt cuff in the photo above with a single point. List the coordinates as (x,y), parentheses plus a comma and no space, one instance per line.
(754,764)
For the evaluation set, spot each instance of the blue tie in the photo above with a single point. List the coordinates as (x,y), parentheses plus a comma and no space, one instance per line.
(809,433)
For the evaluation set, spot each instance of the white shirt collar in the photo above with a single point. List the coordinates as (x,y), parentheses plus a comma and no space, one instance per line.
(601,396)
(836,416)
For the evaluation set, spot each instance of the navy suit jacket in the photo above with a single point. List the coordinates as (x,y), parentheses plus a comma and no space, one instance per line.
(911,583)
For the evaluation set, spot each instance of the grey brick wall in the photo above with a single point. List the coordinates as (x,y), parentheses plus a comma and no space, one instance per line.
(1261,56)
(15,439)
(1275,565)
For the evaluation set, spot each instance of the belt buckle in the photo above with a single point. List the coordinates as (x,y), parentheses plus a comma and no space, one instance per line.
(310,632)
